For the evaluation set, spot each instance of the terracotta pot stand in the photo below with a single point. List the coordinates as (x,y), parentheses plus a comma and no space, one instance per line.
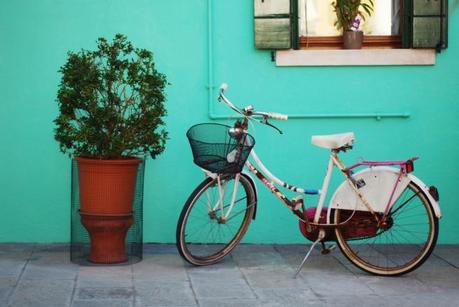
(107,234)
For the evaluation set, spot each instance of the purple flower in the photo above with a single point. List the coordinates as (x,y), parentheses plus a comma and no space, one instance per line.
(356,24)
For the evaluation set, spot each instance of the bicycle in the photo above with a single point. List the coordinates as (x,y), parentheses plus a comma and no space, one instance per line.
(383,218)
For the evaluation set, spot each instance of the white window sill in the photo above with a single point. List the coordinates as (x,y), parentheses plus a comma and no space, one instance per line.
(361,57)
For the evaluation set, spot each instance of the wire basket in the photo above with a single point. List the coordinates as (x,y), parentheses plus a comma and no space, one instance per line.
(217,150)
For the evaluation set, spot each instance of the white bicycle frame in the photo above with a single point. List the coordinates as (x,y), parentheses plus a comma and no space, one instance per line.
(346,190)
(392,189)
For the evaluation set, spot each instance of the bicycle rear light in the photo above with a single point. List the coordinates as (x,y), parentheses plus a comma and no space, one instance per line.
(409,166)
(434,192)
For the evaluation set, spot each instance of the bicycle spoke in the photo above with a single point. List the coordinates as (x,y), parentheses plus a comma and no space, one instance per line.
(239,212)
(404,204)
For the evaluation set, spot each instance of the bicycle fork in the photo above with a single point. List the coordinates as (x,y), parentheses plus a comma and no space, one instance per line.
(222,187)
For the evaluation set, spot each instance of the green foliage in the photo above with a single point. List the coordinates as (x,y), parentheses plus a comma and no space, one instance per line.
(347,10)
(111,102)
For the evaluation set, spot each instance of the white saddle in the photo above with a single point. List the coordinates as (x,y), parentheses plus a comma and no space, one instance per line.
(333,141)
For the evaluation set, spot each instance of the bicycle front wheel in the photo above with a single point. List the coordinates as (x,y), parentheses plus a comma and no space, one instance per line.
(215,218)
(400,245)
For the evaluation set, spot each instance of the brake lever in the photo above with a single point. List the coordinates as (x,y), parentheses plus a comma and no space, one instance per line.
(265,121)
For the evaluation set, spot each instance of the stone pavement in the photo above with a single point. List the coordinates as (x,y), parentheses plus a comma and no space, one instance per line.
(254,275)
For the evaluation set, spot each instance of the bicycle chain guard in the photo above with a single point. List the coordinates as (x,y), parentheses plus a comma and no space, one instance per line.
(361,225)
(311,233)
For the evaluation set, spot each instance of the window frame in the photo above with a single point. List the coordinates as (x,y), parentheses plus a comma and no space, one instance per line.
(369,41)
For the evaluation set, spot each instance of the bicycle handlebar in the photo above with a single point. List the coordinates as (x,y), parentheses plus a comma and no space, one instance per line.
(248,111)
(278,116)
(223,87)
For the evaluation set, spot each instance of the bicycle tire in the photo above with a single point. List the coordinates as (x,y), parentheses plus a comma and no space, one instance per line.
(200,249)
(402,248)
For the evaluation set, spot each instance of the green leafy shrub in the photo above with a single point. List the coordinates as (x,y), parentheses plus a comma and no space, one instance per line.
(348,10)
(111,102)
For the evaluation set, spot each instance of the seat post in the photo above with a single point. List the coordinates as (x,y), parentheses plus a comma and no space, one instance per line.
(325,184)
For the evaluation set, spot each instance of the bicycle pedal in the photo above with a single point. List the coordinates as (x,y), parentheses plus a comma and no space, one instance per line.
(327,250)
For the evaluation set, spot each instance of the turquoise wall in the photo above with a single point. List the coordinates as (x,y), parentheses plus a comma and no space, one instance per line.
(35,176)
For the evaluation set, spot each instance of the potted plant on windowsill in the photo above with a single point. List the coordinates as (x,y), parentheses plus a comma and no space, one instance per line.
(349,14)
(111,104)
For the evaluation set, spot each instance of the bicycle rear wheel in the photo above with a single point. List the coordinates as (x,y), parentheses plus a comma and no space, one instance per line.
(204,236)
(401,245)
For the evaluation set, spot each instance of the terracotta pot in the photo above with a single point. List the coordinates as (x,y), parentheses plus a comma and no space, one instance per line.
(352,39)
(107,186)
(107,234)
(106,193)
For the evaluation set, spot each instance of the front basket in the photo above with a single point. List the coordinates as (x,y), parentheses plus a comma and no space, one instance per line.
(217,150)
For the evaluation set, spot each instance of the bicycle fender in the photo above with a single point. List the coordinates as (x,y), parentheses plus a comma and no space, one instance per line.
(254,186)
(379,183)
(425,189)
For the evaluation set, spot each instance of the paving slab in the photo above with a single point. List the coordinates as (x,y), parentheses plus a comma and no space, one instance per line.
(225,270)
(315,262)
(289,297)
(102,303)
(158,293)
(239,302)
(229,289)
(16,248)
(50,265)
(324,284)
(159,248)
(7,285)
(273,277)
(55,247)
(361,300)
(449,253)
(438,277)
(257,256)
(419,300)
(37,293)
(105,293)
(395,286)
(12,265)
(166,267)
(105,276)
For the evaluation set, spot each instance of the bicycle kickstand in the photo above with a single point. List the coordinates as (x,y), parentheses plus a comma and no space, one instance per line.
(320,237)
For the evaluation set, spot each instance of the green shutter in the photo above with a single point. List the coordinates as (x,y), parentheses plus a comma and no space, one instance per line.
(407,23)
(426,24)
(274,26)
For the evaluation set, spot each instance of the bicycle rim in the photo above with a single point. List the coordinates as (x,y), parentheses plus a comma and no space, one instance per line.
(203,238)
(400,247)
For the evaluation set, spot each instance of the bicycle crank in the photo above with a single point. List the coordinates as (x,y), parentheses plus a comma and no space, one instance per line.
(327,249)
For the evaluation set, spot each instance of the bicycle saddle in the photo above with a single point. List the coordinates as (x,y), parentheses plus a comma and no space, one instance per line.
(333,141)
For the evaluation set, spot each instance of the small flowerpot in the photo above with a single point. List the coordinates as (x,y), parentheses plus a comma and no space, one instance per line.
(352,39)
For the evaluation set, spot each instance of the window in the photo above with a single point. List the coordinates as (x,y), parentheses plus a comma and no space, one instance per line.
(291,24)
(317,24)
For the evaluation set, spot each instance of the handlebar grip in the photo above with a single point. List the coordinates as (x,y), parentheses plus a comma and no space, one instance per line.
(278,116)
(223,87)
